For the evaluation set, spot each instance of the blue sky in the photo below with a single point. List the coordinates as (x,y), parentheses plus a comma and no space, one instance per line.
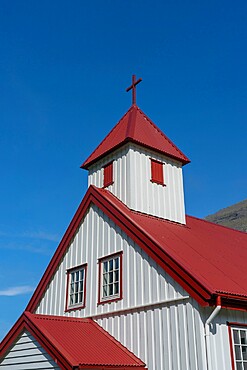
(64,68)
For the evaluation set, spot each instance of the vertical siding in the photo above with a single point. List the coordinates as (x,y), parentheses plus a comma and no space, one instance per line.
(160,336)
(27,354)
(166,335)
(219,337)
(144,282)
(132,185)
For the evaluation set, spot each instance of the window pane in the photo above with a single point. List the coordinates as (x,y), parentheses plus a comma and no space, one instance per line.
(71,300)
(71,288)
(245,365)
(81,286)
(76,287)
(116,275)
(244,352)
(116,263)
(236,336)
(239,366)
(72,277)
(110,277)
(105,267)
(105,279)
(82,274)
(243,336)
(105,291)
(238,353)
(76,298)
(116,288)
(80,297)
(111,265)
(111,289)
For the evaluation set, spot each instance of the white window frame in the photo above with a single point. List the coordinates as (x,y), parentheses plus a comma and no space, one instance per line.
(110,276)
(239,346)
(76,281)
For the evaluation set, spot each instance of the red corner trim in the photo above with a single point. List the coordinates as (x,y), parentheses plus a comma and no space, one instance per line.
(231,346)
(61,249)
(25,322)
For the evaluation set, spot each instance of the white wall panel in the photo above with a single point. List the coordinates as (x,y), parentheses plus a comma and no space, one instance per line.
(160,336)
(219,336)
(132,185)
(26,354)
(144,282)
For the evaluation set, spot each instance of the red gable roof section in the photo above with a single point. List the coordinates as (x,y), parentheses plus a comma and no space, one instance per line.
(136,127)
(207,260)
(85,344)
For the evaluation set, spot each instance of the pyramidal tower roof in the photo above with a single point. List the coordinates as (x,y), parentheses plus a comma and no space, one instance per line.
(137,128)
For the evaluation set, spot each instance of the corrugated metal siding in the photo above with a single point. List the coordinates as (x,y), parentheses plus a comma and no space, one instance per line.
(132,185)
(27,354)
(144,281)
(219,337)
(167,335)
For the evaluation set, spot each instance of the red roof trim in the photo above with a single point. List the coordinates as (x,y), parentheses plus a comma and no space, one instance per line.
(118,212)
(130,137)
(25,322)
(184,278)
(57,351)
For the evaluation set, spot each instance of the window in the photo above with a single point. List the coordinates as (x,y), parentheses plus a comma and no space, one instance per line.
(108,174)
(76,287)
(157,172)
(239,347)
(110,279)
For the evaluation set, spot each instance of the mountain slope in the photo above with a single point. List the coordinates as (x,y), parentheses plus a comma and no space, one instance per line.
(234,216)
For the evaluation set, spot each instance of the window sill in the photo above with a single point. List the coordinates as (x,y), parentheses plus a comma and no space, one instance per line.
(158,182)
(110,300)
(74,308)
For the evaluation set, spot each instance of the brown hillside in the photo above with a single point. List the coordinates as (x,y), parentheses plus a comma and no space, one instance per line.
(234,216)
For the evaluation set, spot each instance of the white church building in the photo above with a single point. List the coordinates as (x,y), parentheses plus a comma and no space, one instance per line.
(135,283)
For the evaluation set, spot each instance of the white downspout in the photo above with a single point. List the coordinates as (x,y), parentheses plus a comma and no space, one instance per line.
(207,331)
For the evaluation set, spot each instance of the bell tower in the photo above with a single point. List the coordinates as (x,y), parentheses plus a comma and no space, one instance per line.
(140,165)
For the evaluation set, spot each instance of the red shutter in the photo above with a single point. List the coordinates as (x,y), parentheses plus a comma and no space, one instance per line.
(157,172)
(108,174)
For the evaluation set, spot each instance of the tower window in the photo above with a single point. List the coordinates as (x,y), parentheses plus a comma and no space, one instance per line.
(108,174)
(157,172)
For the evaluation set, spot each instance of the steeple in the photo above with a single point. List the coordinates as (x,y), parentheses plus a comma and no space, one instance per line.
(140,165)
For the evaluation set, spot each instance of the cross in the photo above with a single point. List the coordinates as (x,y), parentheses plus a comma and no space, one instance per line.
(133,87)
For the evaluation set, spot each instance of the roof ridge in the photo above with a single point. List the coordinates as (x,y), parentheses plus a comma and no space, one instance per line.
(162,133)
(217,225)
(109,133)
(81,320)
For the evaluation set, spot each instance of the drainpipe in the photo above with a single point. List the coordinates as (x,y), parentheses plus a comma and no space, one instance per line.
(207,330)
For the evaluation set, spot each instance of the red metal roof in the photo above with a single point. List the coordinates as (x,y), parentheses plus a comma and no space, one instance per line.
(136,127)
(77,342)
(205,259)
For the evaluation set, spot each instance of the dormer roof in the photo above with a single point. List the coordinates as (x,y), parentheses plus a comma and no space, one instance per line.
(136,127)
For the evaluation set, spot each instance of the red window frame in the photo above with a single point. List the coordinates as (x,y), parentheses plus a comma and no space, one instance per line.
(113,298)
(231,327)
(82,304)
(108,174)
(157,173)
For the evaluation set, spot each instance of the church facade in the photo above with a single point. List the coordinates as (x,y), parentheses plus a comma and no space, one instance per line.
(135,283)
